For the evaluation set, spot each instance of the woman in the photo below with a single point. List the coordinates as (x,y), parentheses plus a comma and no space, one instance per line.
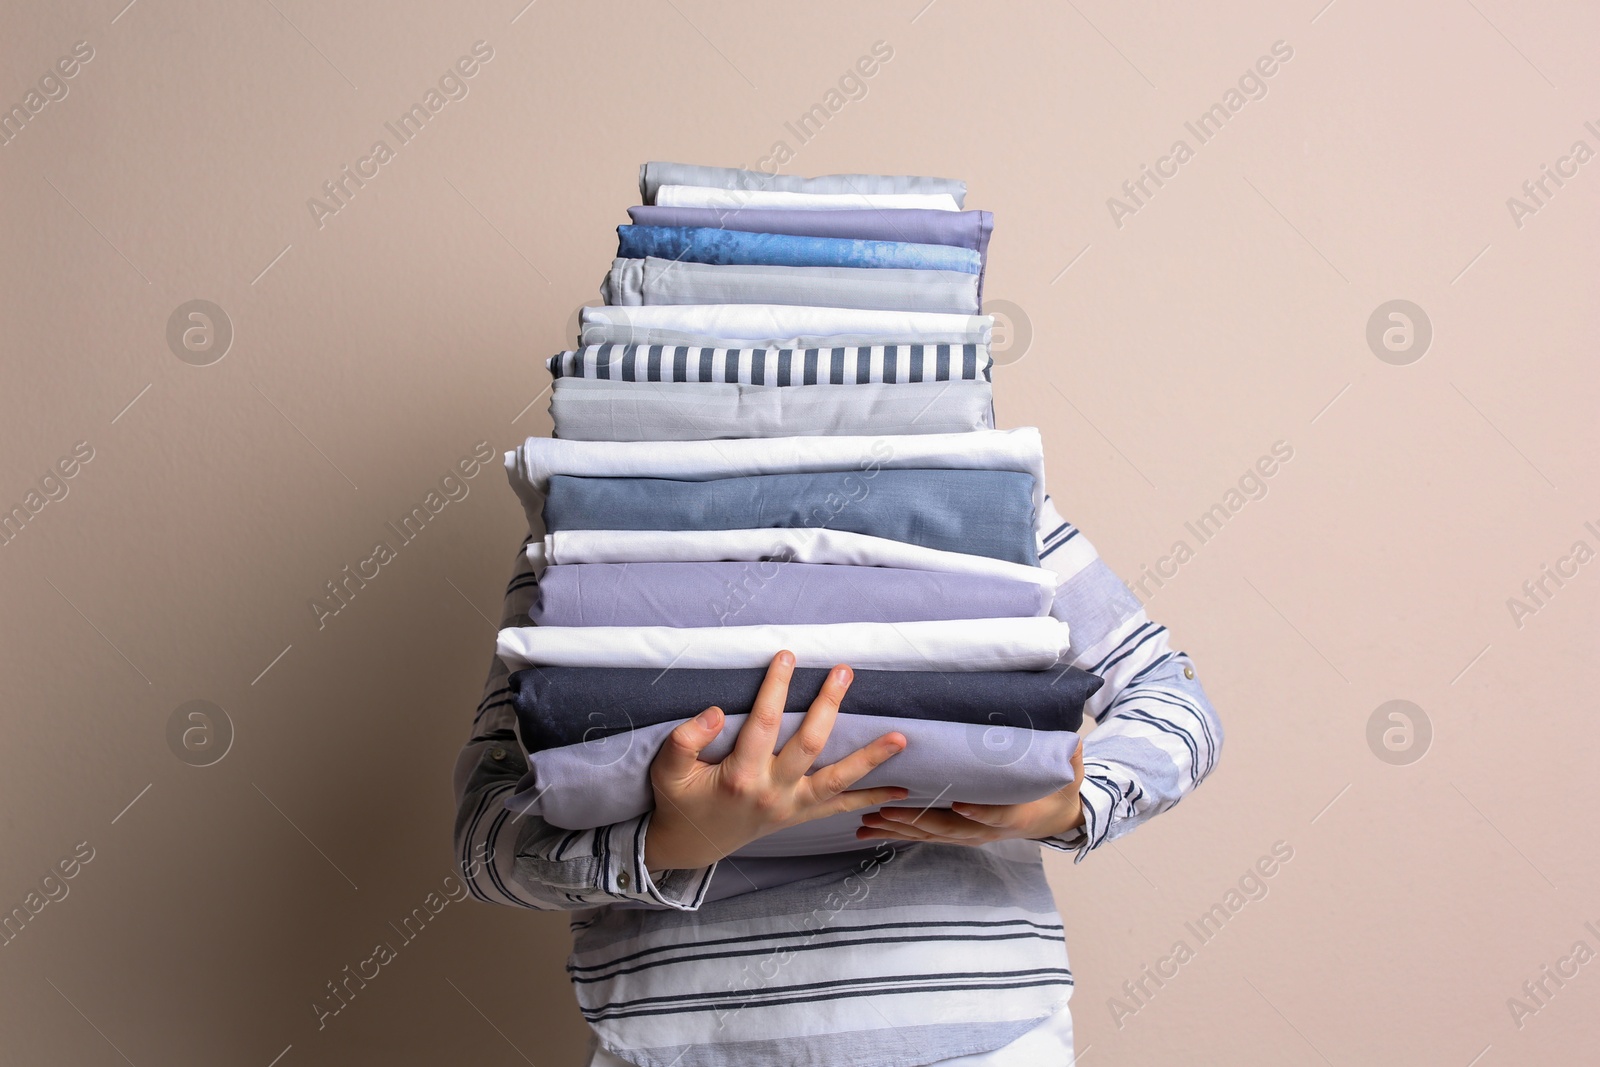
(940,945)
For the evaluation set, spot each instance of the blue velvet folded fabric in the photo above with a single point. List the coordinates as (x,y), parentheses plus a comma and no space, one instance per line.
(965,229)
(979,512)
(701,244)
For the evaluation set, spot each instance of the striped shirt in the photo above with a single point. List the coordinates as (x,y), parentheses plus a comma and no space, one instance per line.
(853,364)
(907,956)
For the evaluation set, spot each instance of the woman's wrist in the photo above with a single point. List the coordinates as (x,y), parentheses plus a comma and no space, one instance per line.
(667,847)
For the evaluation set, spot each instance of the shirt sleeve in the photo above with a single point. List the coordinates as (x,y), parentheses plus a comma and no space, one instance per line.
(1156,735)
(521,860)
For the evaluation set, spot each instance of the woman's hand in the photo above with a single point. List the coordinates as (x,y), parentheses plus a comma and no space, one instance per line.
(977,824)
(706,810)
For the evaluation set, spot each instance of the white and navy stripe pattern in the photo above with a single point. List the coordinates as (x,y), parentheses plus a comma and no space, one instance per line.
(847,365)
(846,968)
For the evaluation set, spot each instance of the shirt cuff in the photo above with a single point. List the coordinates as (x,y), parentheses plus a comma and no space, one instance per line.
(625,876)
(1097,806)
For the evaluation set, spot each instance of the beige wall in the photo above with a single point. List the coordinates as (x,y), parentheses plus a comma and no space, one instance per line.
(1227,313)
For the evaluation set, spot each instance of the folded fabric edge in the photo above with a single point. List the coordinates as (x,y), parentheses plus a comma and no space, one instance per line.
(540,550)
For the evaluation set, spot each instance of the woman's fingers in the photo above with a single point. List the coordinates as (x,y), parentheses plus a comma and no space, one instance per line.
(935,822)
(874,828)
(856,799)
(835,778)
(680,754)
(759,735)
(867,832)
(802,750)
(997,816)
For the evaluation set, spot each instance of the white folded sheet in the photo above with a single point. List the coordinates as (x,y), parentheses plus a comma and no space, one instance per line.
(960,645)
(745,323)
(794,544)
(701,196)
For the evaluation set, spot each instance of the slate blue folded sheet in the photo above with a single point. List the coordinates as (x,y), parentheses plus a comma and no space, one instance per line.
(965,229)
(705,245)
(607,780)
(979,512)
(770,592)
(559,706)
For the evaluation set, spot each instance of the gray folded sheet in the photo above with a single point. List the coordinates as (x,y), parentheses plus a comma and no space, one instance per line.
(639,282)
(593,409)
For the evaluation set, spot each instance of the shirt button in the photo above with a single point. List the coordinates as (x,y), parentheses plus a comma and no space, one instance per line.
(622,879)
(1188,672)
(497,754)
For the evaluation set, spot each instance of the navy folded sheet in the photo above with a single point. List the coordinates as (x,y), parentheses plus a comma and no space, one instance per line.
(707,245)
(770,592)
(558,706)
(979,512)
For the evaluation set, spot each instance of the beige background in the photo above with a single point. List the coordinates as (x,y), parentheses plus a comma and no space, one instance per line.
(1166,356)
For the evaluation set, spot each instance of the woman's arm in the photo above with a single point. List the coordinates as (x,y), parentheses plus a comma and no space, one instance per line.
(1156,735)
(507,858)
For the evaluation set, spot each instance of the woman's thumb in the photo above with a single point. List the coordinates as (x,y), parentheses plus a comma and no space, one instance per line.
(688,739)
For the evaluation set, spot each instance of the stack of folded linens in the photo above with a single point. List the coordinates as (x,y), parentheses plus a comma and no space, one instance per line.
(778,433)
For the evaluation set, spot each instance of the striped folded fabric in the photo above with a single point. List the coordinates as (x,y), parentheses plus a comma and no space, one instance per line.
(858,364)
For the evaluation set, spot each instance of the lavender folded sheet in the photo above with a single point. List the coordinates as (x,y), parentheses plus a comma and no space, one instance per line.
(964,229)
(761,592)
(704,245)
(560,706)
(607,780)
